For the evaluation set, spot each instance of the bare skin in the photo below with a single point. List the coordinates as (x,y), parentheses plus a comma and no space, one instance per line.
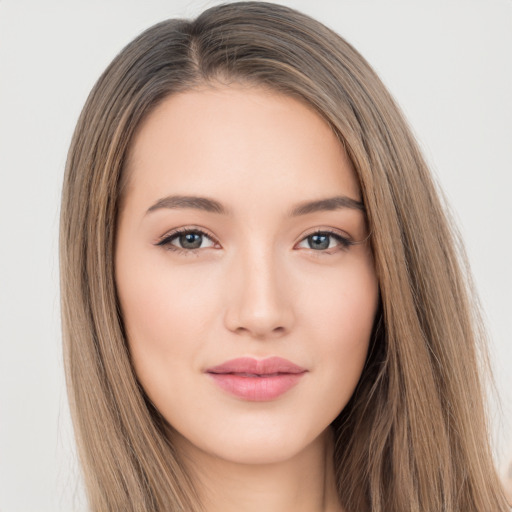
(303,483)
(264,278)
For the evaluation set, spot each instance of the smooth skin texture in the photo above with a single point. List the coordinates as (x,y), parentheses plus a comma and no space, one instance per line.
(258,283)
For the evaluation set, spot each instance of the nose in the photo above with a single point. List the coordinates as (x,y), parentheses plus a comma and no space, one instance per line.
(259,297)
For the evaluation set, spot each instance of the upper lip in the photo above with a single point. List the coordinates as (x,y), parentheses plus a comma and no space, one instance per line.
(249,365)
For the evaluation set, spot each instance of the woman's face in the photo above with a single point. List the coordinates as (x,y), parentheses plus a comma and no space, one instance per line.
(247,290)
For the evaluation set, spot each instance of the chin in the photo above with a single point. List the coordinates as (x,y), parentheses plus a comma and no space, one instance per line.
(257,447)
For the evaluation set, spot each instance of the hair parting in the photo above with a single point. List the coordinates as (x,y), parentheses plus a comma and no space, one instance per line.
(413,437)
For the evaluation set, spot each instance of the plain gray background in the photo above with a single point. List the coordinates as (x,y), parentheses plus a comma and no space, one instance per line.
(447,62)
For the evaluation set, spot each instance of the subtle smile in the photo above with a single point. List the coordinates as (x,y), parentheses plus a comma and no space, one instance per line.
(256,380)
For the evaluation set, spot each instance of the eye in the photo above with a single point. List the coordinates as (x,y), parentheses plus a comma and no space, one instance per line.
(324,240)
(186,240)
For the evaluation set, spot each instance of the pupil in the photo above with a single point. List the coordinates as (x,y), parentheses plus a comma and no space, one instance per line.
(191,240)
(319,241)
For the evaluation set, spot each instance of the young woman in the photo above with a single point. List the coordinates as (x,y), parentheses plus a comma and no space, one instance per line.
(264,305)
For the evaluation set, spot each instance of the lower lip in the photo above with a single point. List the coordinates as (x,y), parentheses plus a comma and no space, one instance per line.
(256,389)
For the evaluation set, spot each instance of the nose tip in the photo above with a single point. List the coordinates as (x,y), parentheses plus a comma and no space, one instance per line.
(259,302)
(260,326)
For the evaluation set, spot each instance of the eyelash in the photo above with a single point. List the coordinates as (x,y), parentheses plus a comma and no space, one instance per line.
(165,242)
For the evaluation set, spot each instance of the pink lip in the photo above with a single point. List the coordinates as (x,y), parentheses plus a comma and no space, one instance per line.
(256,380)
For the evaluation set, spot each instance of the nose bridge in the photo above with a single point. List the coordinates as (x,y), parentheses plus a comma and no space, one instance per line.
(259,301)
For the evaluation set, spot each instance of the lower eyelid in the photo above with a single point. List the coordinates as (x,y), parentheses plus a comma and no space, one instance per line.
(343,241)
(165,241)
(204,237)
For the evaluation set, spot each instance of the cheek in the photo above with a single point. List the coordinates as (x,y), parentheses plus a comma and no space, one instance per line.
(165,315)
(341,310)
(173,319)
(343,300)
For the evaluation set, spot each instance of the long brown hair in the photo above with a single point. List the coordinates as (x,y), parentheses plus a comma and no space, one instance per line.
(414,435)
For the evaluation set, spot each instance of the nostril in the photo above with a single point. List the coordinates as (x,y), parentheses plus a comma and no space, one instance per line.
(258,303)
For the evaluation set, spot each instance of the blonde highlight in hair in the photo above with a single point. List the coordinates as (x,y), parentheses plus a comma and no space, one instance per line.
(413,437)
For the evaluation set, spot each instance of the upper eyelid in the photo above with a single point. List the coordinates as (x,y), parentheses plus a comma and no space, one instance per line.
(186,229)
(330,231)
(193,229)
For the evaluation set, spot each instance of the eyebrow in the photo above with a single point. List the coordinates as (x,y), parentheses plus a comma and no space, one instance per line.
(198,203)
(213,206)
(330,203)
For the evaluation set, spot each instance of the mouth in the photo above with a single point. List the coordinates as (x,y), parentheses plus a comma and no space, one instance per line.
(256,380)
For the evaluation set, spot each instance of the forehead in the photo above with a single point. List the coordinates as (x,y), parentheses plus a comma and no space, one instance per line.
(241,137)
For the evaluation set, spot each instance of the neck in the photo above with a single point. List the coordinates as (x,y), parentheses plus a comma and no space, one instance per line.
(304,483)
